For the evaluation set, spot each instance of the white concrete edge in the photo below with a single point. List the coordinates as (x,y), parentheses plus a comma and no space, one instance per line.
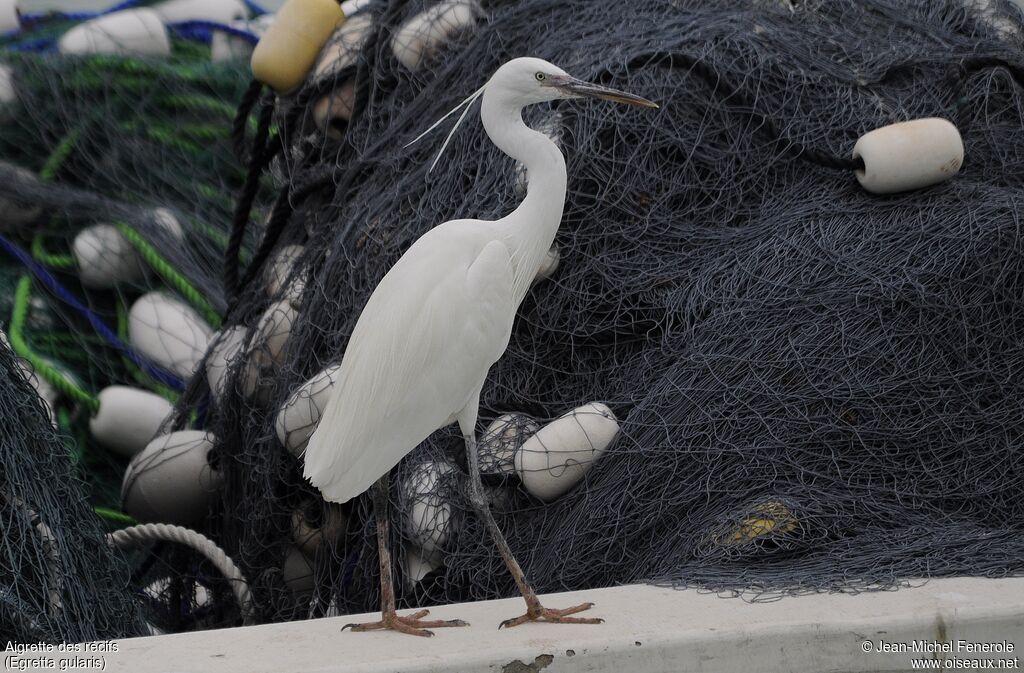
(647,629)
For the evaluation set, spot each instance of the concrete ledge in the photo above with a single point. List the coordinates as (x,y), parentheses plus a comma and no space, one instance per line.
(647,629)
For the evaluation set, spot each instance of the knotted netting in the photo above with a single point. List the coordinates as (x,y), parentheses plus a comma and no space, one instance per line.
(816,388)
(59,580)
(118,176)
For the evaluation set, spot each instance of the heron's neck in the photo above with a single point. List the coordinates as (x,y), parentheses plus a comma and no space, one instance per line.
(530,229)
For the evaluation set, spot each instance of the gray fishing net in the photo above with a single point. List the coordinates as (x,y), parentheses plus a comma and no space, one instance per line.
(59,580)
(817,388)
(776,382)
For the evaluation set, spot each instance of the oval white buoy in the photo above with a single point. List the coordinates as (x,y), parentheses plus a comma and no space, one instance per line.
(8,90)
(556,458)
(299,416)
(128,418)
(419,564)
(287,51)
(280,270)
(337,105)
(15,213)
(549,265)
(309,534)
(501,440)
(157,588)
(339,53)
(171,481)
(41,315)
(272,333)
(139,32)
(909,155)
(105,258)
(168,332)
(429,513)
(425,34)
(227,345)
(9,19)
(166,220)
(342,47)
(297,572)
(217,11)
(226,47)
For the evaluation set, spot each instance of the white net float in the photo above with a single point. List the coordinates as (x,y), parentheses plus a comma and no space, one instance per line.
(501,440)
(425,34)
(317,523)
(909,155)
(105,258)
(9,18)
(227,345)
(171,480)
(269,342)
(139,32)
(128,418)
(168,332)
(555,459)
(218,11)
(281,284)
(8,90)
(15,213)
(299,416)
(429,510)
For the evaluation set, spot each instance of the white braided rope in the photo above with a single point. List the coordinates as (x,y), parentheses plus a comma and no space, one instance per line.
(151,532)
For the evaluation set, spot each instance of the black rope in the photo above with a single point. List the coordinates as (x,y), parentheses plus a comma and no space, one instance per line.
(245,106)
(262,153)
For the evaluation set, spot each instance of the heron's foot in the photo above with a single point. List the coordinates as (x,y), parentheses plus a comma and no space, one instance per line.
(412,624)
(539,613)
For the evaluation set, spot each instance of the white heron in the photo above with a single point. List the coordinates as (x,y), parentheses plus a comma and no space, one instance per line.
(438,320)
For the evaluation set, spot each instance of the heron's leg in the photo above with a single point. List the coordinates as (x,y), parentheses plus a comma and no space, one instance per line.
(411,624)
(534,610)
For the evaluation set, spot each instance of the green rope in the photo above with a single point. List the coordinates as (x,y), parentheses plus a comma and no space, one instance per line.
(48,172)
(42,368)
(115,516)
(214,194)
(52,260)
(201,103)
(59,155)
(170,274)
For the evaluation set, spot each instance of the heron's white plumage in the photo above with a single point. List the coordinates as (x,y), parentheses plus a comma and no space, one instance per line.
(443,314)
(437,338)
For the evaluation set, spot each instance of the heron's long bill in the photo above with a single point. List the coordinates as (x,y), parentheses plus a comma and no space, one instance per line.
(590,90)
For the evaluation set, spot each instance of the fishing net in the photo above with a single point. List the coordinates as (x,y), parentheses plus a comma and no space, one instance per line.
(59,581)
(118,178)
(815,388)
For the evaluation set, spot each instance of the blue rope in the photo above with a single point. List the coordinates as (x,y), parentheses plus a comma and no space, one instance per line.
(256,9)
(108,335)
(202,31)
(79,16)
(38,44)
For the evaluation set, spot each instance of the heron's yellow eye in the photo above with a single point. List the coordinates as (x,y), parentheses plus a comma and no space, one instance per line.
(539,76)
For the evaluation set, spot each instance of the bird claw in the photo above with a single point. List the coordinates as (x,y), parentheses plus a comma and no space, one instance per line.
(554,615)
(412,624)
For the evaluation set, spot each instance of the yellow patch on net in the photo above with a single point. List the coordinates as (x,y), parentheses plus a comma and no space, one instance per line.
(767,517)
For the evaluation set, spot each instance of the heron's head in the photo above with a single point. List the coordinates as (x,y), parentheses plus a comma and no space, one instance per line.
(525,81)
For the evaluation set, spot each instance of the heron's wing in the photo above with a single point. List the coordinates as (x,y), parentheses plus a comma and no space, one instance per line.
(421,347)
